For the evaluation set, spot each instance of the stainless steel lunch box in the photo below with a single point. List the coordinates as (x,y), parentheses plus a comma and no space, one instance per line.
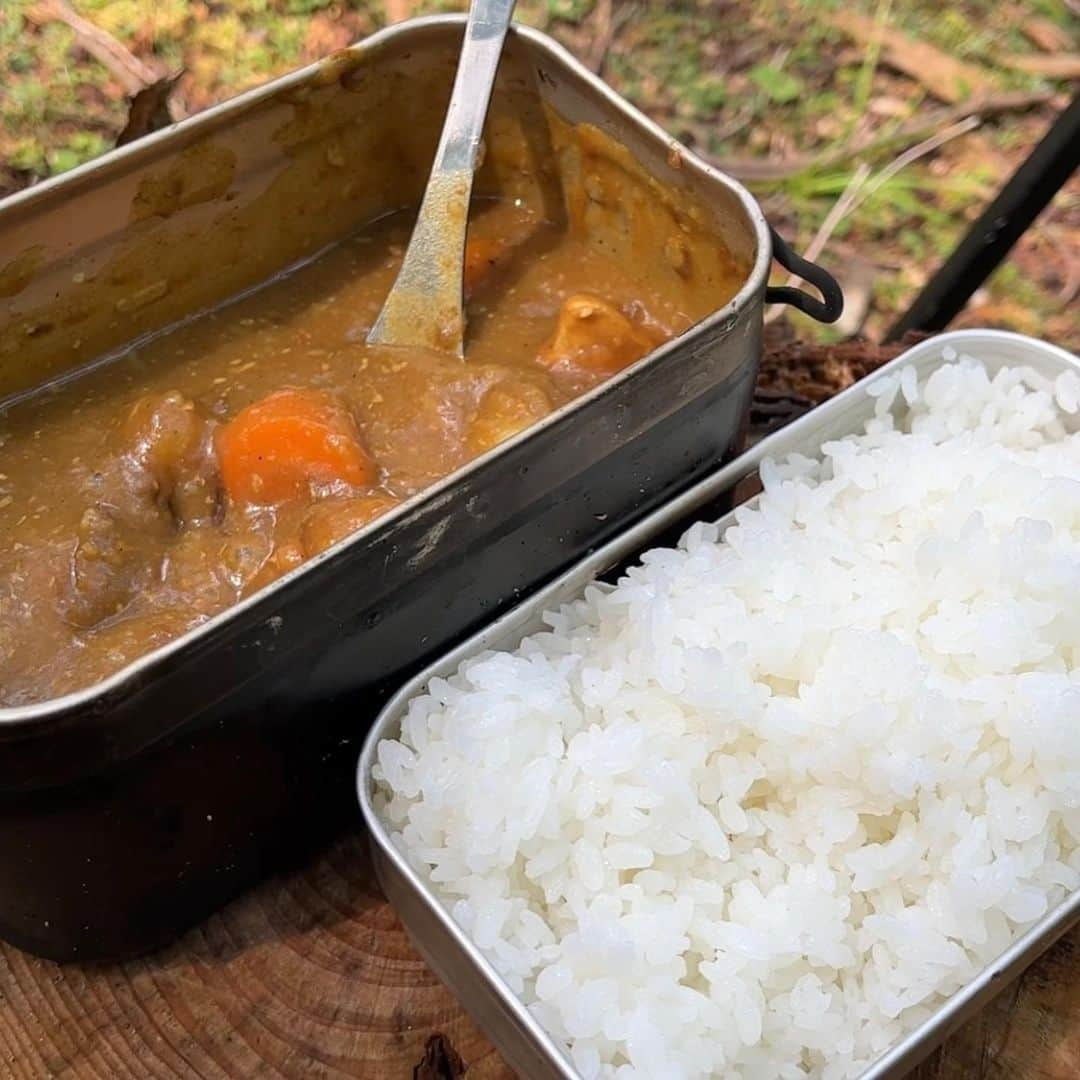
(134,807)
(454,958)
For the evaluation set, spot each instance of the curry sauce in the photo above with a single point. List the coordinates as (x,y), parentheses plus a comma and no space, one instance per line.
(204,458)
(152,492)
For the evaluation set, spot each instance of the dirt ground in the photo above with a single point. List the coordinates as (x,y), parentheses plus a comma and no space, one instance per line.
(872,130)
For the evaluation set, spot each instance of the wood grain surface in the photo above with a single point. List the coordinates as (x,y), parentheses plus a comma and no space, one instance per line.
(310,975)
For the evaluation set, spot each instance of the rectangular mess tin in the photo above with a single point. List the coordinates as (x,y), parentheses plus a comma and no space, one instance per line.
(134,807)
(506,1021)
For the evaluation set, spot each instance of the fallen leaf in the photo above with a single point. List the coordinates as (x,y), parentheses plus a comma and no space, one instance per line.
(947,78)
(1047,35)
(979,162)
(148,110)
(1054,66)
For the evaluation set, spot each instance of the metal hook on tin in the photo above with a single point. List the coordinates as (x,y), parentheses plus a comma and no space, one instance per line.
(831,305)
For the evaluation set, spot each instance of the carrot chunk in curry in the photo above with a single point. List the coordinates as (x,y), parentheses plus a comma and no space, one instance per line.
(482,255)
(291,444)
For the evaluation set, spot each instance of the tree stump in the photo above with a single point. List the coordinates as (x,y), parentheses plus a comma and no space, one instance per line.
(310,975)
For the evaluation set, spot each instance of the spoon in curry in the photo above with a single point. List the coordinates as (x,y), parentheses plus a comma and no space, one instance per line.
(425,306)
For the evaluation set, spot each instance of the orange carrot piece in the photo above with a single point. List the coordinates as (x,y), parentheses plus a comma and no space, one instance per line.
(482,253)
(288,445)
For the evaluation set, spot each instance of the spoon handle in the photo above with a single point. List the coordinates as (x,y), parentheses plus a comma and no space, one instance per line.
(424,308)
(464,125)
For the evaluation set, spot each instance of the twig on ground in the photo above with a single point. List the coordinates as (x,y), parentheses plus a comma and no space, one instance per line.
(764,170)
(128,69)
(734,125)
(842,206)
(1061,65)
(603,27)
(102,124)
(942,74)
(927,146)
(701,136)
(858,190)
(1046,35)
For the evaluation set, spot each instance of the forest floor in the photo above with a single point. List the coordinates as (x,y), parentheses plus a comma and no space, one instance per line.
(872,130)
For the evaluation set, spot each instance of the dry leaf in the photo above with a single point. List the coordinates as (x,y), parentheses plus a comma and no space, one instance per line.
(1055,66)
(149,110)
(978,156)
(1047,35)
(947,78)
(603,32)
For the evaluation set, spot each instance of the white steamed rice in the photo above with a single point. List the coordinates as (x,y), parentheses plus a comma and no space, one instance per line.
(758,809)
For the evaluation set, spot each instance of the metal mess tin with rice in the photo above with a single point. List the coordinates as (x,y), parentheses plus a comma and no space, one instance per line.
(133,807)
(456,959)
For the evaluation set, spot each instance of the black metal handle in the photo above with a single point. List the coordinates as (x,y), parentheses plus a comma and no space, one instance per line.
(831,305)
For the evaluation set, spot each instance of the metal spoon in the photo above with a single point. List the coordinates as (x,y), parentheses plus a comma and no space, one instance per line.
(424,307)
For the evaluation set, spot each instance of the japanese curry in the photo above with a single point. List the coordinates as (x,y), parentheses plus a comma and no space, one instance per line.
(155,490)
